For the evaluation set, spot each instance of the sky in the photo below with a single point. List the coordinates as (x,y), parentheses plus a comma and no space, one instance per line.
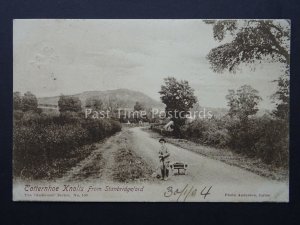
(53,57)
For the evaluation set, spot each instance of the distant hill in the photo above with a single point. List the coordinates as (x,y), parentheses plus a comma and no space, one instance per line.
(129,98)
(126,96)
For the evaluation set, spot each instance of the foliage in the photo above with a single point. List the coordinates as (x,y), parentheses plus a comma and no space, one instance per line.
(243,102)
(208,132)
(249,41)
(178,97)
(243,135)
(46,139)
(264,138)
(252,40)
(27,102)
(95,103)
(282,98)
(113,103)
(216,137)
(17,101)
(273,143)
(138,107)
(69,103)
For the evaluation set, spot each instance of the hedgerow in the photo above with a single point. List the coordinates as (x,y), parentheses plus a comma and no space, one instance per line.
(265,138)
(40,141)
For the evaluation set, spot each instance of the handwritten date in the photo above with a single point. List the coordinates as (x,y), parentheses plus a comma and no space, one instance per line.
(188,191)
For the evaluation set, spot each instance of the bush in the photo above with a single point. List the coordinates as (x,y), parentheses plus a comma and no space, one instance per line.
(244,135)
(218,138)
(263,137)
(273,144)
(195,130)
(44,139)
(18,115)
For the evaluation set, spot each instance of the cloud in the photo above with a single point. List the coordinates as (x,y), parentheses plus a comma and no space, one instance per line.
(70,56)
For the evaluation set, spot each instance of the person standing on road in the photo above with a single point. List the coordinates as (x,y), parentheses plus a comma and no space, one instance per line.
(163,158)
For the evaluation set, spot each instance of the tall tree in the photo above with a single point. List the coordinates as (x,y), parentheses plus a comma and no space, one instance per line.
(179,98)
(249,41)
(29,102)
(69,103)
(17,101)
(138,107)
(94,102)
(243,102)
(282,98)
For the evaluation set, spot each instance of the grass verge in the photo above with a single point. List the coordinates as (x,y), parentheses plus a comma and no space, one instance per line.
(129,167)
(229,157)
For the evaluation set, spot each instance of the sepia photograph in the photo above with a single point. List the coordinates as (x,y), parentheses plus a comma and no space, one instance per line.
(151,110)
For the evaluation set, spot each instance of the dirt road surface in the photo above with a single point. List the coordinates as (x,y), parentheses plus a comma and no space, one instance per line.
(200,169)
(130,157)
(98,166)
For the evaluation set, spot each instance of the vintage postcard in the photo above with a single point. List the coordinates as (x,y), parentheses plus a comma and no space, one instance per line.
(151,110)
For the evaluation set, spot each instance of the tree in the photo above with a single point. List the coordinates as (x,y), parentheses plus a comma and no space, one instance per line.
(178,97)
(69,103)
(251,41)
(94,102)
(112,103)
(243,102)
(138,107)
(29,102)
(17,101)
(254,41)
(282,98)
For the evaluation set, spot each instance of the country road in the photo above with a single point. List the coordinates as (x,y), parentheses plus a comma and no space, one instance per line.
(224,178)
(130,157)
(99,165)
(200,168)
